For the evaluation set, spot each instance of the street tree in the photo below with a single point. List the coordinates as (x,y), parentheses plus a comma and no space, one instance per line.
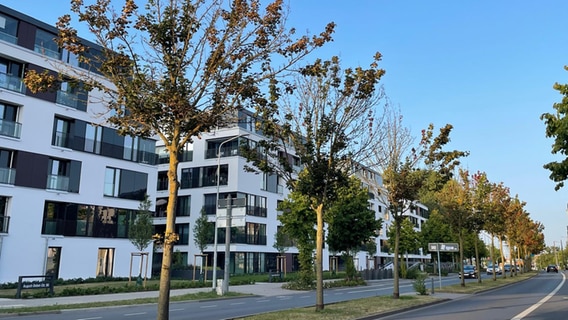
(408,241)
(456,206)
(203,231)
(436,230)
(140,230)
(351,224)
(481,192)
(327,124)
(411,173)
(557,128)
(178,68)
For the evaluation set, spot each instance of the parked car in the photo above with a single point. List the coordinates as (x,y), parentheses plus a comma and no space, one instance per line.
(493,269)
(468,272)
(552,268)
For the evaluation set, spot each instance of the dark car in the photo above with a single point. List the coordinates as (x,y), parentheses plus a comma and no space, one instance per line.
(468,272)
(552,268)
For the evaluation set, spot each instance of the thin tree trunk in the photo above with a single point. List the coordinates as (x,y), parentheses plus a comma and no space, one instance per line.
(502,257)
(460,235)
(396,291)
(169,238)
(492,254)
(477,259)
(319,258)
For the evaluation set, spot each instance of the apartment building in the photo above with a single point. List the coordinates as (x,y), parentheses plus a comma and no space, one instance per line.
(69,185)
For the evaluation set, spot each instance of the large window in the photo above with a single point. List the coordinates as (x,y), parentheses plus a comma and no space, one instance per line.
(105,262)
(8,121)
(125,184)
(93,138)
(11,74)
(7,170)
(58,175)
(53,260)
(45,44)
(204,176)
(62,133)
(4,218)
(72,95)
(8,28)
(163,181)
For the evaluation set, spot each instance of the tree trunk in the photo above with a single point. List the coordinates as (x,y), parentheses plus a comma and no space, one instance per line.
(169,238)
(491,253)
(319,258)
(395,289)
(460,236)
(502,257)
(477,259)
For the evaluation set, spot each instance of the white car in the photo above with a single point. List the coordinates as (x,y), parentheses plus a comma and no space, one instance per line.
(493,269)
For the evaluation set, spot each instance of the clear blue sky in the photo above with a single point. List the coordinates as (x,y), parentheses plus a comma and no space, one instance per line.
(486,67)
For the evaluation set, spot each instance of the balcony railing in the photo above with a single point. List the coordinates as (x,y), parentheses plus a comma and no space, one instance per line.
(67,99)
(225,152)
(55,182)
(12,83)
(7,175)
(8,37)
(4,224)
(242,239)
(47,52)
(10,128)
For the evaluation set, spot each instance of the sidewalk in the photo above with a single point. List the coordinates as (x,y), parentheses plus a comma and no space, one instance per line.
(261,289)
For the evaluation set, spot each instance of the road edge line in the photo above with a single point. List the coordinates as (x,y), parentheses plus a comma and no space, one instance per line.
(532,308)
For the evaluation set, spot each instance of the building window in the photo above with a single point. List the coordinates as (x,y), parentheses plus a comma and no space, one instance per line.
(72,95)
(183,206)
(11,75)
(183,232)
(62,133)
(125,184)
(53,260)
(256,205)
(46,45)
(58,175)
(8,29)
(163,181)
(105,262)
(93,138)
(8,121)
(204,176)
(229,149)
(7,170)
(4,218)
(256,233)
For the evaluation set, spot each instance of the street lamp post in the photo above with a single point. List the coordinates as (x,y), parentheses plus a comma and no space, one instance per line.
(216,208)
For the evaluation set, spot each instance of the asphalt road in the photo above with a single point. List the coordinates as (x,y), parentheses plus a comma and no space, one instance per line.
(237,307)
(542,297)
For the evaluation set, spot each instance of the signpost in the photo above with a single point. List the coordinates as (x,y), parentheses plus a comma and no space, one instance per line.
(442,247)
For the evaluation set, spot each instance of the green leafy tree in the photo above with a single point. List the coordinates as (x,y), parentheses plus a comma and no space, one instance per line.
(408,241)
(178,68)
(557,128)
(298,222)
(404,181)
(140,229)
(327,124)
(351,224)
(456,206)
(203,231)
(436,230)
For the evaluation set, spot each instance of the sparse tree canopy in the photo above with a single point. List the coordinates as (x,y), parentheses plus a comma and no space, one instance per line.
(140,230)
(557,128)
(177,68)
(328,124)
(203,231)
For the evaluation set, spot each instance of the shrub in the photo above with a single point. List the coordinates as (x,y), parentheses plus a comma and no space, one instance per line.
(419,283)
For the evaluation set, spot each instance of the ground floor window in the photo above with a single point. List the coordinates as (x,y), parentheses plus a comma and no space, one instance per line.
(52,263)
(105,262)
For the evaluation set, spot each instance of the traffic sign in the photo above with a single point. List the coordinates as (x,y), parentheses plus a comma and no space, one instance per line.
(443,247)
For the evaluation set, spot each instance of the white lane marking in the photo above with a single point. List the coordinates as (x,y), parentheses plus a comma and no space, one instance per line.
(134,314)
(304,297)
(210,306)
(93,318)
(180,309)
(263,300)
(237,303)
(541,302)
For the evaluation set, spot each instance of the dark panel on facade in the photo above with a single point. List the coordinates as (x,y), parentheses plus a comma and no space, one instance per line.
(26,35)
(49,95)
(31,170)
(74,176)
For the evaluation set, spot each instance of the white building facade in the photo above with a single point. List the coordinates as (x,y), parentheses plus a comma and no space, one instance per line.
(68,184)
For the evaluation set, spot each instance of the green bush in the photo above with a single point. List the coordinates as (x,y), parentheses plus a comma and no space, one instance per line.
(419,283)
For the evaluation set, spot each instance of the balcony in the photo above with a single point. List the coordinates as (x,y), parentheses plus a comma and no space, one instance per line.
(10,128)
(67,99)
(47,52)
(8,38)
(225,152)
(7,175)
(12,83)
(4,224)
(55,182)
